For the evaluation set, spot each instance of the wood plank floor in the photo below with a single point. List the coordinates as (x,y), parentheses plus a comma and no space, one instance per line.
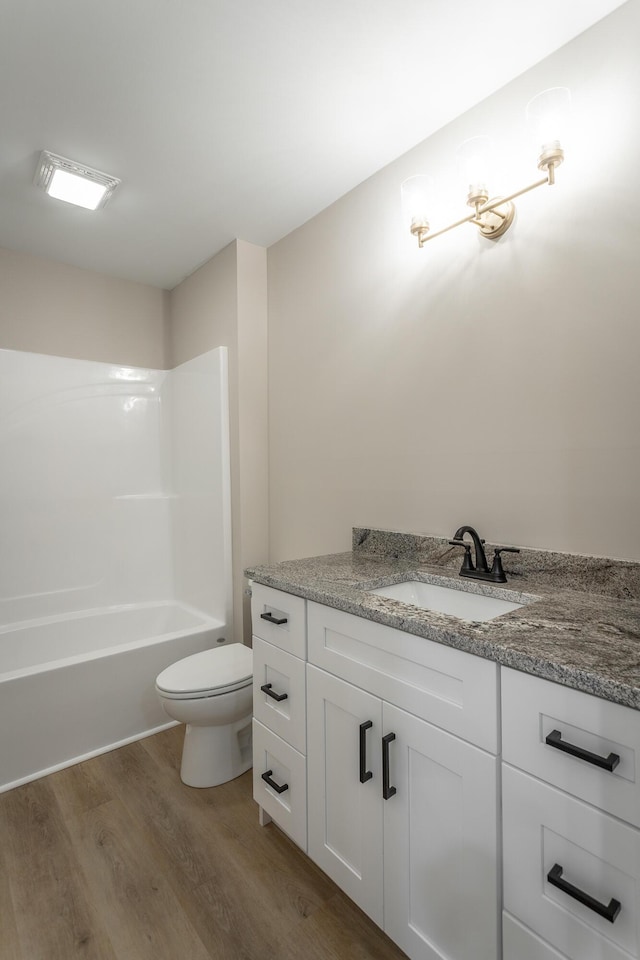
(115,859)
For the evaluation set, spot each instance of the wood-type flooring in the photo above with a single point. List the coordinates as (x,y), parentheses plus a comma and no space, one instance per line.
(115,859)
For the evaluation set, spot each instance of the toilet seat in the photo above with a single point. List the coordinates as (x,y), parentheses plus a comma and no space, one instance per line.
(207,674)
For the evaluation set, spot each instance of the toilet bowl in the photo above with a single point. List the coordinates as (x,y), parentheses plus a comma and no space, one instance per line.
(212,693)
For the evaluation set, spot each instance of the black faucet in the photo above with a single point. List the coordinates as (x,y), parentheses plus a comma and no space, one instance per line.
(480,571)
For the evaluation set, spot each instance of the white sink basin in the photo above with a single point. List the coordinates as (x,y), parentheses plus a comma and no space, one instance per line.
(456,603)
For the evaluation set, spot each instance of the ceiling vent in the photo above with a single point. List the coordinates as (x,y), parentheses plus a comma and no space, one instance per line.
(74,182)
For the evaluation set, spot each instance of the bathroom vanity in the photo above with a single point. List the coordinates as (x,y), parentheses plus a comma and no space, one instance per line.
(472,786)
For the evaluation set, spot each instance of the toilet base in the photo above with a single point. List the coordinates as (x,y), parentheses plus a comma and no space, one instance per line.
(216,754)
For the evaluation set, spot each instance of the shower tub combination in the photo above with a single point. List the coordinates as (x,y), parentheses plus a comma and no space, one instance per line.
(76,686)
(115,555)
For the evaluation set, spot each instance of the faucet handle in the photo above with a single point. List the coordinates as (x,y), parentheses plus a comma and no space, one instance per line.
(497,571)
(467,563)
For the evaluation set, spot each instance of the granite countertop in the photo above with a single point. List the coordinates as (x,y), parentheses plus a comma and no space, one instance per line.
(580,625)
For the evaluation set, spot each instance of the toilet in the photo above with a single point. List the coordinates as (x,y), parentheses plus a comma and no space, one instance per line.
(212,693)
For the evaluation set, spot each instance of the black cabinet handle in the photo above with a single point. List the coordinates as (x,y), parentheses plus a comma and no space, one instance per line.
(364,773)
(607,763)
(270,617)
(266,688)
(278,787)
(609,912)
(387,790)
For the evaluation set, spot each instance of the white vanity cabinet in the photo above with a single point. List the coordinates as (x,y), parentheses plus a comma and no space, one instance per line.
(378,752)
(571,809)
(279,709)
(402,814)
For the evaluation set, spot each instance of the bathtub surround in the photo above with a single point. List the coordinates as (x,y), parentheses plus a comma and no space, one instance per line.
(114,499)
(85,509)
(196,434)
(114,487)
(582,631)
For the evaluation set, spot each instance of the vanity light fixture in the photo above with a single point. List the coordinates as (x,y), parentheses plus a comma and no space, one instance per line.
(74,182)
(546,119)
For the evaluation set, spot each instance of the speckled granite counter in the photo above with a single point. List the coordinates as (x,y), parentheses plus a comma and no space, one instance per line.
(582,628)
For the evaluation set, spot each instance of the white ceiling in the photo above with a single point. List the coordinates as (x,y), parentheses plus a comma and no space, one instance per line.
(236,118)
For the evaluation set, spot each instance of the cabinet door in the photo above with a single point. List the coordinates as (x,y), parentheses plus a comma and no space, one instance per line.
(345,809)
(441,895)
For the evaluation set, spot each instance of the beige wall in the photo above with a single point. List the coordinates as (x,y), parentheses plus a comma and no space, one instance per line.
(224,303)
(252,465)
(471,382)
(204,308)
(49,307)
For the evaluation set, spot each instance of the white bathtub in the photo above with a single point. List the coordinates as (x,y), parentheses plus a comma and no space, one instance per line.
(74,687)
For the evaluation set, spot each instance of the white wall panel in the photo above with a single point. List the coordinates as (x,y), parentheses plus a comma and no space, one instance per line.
(196,395)
(110,474)
(83,512)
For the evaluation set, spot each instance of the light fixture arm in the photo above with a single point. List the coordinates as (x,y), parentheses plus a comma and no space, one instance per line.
(491,206)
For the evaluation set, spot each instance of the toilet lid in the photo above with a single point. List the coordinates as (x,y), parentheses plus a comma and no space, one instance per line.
(220,670)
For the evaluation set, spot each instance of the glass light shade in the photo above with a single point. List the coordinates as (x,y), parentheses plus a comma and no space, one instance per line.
(417,198)
(475,159)
(548,116)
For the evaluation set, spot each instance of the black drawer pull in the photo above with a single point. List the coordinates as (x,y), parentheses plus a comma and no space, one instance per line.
(266,688)
(607,763)
(364,773)
(271,619)
(278,787)
(609,912)
(387,790)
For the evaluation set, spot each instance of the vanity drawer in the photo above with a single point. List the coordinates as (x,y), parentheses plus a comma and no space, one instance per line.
(281,707)
(534,709)
(280,618)
(285,768)
(449,688)
(546,831)
(518,943)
